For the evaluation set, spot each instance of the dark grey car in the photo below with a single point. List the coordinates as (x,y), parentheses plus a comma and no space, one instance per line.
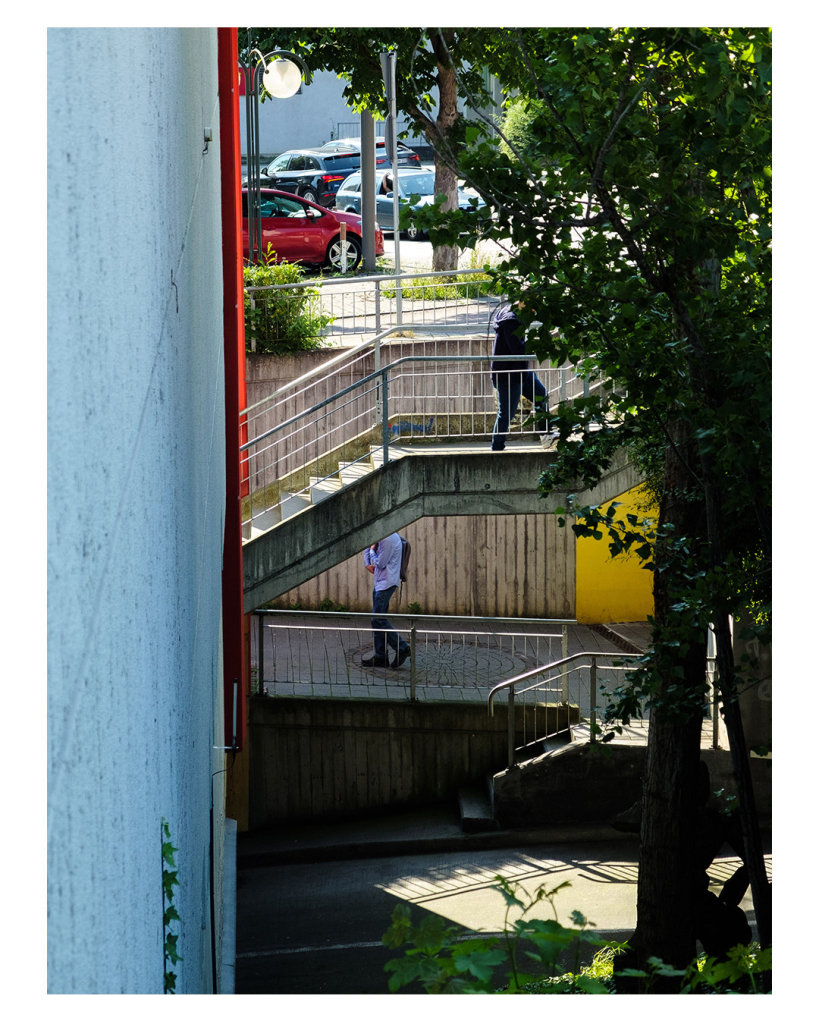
(313,174)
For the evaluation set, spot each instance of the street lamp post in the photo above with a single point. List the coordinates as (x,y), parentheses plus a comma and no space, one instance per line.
(279,73)
(391,147)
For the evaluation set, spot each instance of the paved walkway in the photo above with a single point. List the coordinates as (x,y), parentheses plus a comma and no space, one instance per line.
(318,656)
(314,899)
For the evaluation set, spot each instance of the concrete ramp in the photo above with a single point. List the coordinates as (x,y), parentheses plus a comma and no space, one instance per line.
(423,481)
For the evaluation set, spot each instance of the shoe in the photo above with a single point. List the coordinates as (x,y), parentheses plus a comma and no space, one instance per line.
(400,658)
(375,662)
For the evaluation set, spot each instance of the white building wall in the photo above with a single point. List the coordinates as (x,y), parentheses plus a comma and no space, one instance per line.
(136,492)
(309,119)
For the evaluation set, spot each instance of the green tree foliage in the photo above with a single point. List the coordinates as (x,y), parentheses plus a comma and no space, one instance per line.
(639,224)
(518,134)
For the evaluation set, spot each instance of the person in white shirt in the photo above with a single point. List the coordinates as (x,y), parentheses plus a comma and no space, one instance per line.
(383,560)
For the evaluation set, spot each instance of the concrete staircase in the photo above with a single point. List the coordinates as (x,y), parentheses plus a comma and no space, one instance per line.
(319,489)
(476,805)
(336,517)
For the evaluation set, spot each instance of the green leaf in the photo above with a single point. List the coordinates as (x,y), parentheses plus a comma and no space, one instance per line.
(170,915)
(480,963)
(171,939)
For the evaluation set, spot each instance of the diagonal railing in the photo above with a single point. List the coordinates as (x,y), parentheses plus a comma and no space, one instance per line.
(560,683)
(288,465)
(574,680)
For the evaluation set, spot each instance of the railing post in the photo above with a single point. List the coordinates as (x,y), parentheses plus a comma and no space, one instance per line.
(377,307)
(253,322)
(510,728)
(593,698)
(385,417)
(376,368)
(260,657)
(564,680)
(413,637)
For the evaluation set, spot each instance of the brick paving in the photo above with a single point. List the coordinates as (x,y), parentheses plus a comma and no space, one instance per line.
(320,660)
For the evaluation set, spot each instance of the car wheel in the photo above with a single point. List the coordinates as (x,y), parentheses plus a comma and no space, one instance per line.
(310,195)
(413,234)
(334,253)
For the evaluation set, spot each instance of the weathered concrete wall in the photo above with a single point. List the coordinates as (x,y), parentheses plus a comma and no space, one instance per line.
(319,758)
(466,565)
(754,661)
(400,492)
(582,782)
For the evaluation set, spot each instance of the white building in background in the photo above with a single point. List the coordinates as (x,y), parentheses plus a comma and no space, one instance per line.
(136,508)
(315,115)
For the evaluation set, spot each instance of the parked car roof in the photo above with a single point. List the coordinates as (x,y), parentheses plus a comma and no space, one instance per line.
(405,153)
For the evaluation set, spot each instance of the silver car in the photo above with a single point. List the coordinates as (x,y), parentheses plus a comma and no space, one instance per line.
(411,181)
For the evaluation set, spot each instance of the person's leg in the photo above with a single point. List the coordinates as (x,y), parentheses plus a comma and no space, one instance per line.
(379,623)
(535,392)
(508,395)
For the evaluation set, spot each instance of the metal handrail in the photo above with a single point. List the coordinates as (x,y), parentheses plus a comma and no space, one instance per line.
(362,279)
(363,346)
(509,684)
(494,624)
(382,373)
(379,383)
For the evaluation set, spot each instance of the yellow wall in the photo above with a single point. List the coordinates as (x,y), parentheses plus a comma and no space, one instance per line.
(613,589)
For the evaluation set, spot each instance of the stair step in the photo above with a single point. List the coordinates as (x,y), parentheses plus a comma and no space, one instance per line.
(349,472)
(293,503)
(557,740)
(581,731)
(377,454)
(545,745)
(261,523)
(475,810)
(321,489)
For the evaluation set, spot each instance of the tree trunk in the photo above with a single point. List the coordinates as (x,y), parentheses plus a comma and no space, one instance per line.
(445,257)
(665,921)
(704,380)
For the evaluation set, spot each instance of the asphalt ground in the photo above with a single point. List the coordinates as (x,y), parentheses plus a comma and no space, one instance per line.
(314,901)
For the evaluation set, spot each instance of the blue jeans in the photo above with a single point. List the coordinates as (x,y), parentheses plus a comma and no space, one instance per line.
(381,602)
(509,387)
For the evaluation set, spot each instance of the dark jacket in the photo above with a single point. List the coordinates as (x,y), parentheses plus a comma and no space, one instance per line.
(507,341)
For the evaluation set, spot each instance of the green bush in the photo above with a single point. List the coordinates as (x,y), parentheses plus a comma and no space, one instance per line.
(530,956)
(430,289)
(281,322)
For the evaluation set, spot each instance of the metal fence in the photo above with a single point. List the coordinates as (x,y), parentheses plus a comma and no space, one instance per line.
(523,663)
(456,300)
(585,680)
(310,453)
(452,658)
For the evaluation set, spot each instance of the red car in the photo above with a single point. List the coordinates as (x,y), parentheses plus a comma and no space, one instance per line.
(302,232)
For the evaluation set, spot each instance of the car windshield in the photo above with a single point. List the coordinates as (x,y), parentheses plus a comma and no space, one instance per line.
(423,184)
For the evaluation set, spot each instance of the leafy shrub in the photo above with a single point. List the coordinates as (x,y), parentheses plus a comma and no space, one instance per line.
(442,958)
(281,322)
(459,286)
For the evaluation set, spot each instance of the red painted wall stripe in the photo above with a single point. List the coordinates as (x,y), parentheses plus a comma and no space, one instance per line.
(235,393)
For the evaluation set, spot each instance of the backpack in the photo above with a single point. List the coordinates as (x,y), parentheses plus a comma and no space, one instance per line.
(406,551)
